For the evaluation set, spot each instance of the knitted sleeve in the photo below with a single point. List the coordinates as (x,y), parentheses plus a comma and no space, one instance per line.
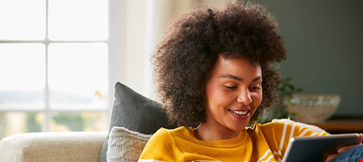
(278,134)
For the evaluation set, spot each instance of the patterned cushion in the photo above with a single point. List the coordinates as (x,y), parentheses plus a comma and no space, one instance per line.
(135,112)
(125,145)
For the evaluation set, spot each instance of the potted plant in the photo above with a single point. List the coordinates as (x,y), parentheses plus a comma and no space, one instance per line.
(279,110)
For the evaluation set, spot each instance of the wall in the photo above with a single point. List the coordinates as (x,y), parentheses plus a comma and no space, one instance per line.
(133,64)
(323,39)
(145,21)
(324,42)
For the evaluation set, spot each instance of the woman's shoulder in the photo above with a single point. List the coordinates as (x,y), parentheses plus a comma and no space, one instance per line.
(180,131)
(281,123)
(161,146)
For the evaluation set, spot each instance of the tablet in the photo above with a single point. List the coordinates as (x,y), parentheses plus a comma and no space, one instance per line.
(317,148)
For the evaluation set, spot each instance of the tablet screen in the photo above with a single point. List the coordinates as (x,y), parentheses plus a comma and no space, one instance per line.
(316,148)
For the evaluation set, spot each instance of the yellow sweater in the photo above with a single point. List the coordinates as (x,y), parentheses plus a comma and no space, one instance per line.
(266,142)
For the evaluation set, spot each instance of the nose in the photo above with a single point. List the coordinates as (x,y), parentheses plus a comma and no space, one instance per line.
(244,97)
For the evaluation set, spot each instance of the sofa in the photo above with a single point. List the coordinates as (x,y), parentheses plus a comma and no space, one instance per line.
(76,146)
(138,115)
(134,119)
(54,146)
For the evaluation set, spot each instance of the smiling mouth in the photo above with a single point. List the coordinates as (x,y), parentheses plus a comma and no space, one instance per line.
(239,112)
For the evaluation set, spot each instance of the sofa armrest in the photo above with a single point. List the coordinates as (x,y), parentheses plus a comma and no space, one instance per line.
(54,146)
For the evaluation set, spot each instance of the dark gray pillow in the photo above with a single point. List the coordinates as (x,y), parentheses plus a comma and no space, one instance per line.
(135,112)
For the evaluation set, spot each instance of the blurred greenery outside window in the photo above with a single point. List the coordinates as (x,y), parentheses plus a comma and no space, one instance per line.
(54,65)
(19,122)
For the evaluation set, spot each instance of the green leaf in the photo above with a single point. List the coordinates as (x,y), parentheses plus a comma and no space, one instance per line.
(285,89)
(291,87)
(300,90)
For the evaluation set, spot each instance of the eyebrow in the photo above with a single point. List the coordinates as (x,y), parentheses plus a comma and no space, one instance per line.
(238,78)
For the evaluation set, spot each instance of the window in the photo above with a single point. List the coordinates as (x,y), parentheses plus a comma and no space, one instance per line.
(58,64)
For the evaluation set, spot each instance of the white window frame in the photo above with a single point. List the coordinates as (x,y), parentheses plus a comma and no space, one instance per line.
(115,43)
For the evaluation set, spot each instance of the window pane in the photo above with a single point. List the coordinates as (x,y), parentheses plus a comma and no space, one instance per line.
(84,121)
(22,71)
(12,123)
(78,19)
(78,75)
(22,19)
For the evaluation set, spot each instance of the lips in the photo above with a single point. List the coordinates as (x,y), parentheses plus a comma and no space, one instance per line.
(240,114)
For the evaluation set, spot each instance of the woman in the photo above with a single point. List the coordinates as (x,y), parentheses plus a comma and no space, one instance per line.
(215,71)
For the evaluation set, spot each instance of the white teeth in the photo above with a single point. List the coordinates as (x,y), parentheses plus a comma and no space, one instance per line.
(240,112)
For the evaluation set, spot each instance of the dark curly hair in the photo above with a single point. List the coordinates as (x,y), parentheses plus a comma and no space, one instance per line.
(184,59)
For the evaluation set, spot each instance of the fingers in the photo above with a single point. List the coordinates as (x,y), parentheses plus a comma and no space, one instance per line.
(342,149)
(345,148)
(360,138)
(330,157)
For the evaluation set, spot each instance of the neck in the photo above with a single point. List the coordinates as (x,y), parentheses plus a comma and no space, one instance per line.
(206,133)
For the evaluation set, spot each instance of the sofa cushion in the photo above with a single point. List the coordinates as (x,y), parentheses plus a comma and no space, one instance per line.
(52,146)
(135,112)
(125,145)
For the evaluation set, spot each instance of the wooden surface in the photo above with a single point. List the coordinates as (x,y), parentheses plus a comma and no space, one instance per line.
(342,124)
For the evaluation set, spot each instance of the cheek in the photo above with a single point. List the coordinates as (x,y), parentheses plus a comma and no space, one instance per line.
(218,97)
(256,99)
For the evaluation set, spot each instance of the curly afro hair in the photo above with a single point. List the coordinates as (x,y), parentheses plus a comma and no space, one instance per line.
(184,59)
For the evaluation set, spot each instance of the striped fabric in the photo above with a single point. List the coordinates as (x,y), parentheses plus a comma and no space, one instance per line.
(263,143)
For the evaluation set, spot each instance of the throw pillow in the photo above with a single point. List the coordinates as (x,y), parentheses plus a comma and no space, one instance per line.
(135,112)
(125,145)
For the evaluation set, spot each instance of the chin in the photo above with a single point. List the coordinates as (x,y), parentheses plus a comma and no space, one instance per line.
(239,127)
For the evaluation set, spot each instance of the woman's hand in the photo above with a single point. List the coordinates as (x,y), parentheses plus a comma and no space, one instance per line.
(345,148)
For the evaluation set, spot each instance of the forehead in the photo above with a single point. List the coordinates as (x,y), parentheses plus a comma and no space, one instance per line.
(236,66)
(229,56)
(242,61)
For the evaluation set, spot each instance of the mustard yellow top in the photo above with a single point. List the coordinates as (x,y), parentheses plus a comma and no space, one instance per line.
(266,142)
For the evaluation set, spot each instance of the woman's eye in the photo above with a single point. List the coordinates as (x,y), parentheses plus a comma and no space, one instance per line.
(230,87)
(255,88)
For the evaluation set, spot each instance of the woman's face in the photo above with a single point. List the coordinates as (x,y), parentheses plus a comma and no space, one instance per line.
(234,92)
